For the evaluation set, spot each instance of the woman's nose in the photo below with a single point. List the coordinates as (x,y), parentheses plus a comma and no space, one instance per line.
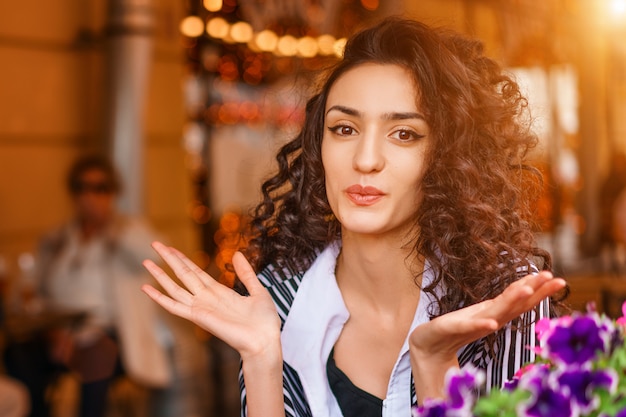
(368,155)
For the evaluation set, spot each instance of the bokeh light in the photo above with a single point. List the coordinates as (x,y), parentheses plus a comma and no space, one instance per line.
(326,44)
(213,5)
(339,46)
(307,47)
(287,45)
(217,28)
(192,26)
(266,40)
(241,32)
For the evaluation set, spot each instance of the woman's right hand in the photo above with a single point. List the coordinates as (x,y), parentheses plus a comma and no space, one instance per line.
(249,324)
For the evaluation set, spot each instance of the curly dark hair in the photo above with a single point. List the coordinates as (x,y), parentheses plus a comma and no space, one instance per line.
(477,191)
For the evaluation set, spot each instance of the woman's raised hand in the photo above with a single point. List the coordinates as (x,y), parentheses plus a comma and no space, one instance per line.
(249,324)
(434,344)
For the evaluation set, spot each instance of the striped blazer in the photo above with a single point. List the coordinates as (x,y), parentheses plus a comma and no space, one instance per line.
(284,285)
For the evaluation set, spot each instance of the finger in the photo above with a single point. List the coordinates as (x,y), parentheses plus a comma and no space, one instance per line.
(535,288)
(169,304)
(517,300)
(218,288)
(550,288)
(168,284)
(532,285)
(205,278)
(246,274)
(535,280)
(182,271)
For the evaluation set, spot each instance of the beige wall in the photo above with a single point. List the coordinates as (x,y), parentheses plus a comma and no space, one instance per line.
(51,107)
(476,19)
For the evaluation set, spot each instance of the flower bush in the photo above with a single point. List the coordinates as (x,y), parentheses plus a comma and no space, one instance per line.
(579,371)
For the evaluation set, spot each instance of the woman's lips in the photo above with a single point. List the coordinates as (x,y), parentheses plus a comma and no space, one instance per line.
(364,196)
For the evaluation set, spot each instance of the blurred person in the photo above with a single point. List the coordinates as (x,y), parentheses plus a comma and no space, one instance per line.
(92,264)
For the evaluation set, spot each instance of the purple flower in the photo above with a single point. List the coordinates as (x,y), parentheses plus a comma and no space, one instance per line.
(511,384)
(531,374)
(462,387)
(576,344)
(461,393)
(548,402)
(544,329)
(535,378)
(583,362)
(547,398)
(580,383)
(432,408)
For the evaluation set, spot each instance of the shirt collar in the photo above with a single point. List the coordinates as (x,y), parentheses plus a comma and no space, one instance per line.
(314,323)
(312,327)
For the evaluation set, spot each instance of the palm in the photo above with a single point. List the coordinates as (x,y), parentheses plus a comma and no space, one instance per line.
(444,335)
(434,344)
(246,323)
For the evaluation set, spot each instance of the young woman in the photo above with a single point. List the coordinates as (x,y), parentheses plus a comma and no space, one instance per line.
(393,242)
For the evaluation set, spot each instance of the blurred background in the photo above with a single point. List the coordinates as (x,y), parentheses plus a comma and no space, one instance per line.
(192,98)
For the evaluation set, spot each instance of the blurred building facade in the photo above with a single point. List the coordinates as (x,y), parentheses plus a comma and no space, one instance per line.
(55,104)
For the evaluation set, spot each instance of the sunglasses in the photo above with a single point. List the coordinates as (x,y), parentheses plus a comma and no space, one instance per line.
(92,187)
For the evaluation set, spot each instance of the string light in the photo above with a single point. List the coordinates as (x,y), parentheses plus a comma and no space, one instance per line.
(265,41)
(241,32)
(326,44)
(287,46)
(192,26)
(217,28)
(213,5)
(339,46)
(307,47)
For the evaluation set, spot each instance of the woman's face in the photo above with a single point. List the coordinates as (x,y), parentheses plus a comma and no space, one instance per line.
(374,149)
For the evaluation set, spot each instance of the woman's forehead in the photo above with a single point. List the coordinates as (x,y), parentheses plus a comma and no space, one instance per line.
(375,88)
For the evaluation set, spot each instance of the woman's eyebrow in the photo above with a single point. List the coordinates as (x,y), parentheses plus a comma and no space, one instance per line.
(402,116)
(386,116)
(347,110)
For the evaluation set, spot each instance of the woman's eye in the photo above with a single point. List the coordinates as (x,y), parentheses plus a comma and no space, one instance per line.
(342,130)
(406,135)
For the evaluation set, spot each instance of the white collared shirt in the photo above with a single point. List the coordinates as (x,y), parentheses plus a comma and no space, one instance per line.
(314,323)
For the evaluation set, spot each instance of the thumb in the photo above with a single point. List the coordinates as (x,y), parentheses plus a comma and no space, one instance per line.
(246,274)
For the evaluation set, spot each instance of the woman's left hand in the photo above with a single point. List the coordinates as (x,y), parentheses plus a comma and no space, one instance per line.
(434,344)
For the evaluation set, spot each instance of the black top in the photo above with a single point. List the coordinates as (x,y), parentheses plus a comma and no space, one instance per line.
(353,401)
